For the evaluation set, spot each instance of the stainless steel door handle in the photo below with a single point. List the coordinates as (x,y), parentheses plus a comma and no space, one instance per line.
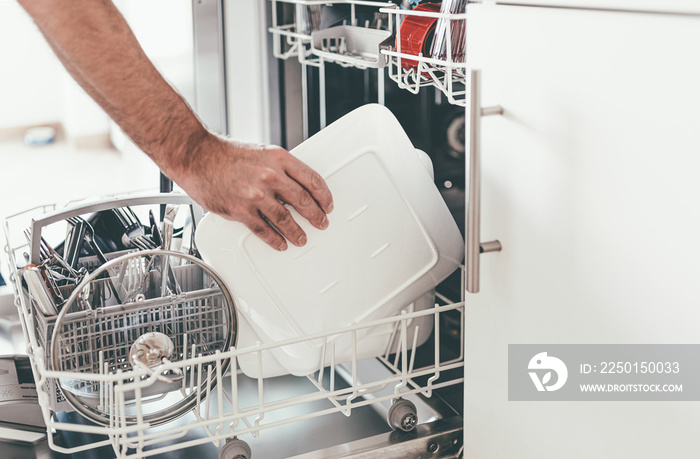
(474,246)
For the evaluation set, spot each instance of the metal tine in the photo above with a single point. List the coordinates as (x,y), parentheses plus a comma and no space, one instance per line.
(43,253)
(146,242)
(72,246)
(137,244)
(75,220)
(90,239)
(150,241)
(74,242)
(132,225)
(45,246)
(136,238)
(142,243)
(42,250)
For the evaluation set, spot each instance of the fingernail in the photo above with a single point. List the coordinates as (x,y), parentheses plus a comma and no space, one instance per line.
(324,222)
(330,208)
(302,240)
(282,247)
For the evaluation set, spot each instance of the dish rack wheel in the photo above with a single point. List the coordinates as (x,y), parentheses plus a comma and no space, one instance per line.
(402,415)
(235,449)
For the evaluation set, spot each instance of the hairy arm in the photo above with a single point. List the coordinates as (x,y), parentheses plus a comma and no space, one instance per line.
(240,181)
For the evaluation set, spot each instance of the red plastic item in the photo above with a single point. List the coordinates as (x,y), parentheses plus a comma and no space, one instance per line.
(416,34)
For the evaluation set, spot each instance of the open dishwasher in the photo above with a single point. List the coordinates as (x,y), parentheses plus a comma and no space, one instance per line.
(134,351)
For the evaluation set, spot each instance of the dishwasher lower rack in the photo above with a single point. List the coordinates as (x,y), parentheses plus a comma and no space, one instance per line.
(218,413)
(127,397)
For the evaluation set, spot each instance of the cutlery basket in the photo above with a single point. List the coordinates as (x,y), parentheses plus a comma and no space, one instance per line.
(98,328)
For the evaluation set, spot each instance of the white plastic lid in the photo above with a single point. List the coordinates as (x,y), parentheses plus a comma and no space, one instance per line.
(391,238)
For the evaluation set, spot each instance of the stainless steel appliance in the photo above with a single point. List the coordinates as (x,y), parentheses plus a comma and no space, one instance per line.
(278,90)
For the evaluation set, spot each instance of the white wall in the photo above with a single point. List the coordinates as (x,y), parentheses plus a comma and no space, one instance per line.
(31,77)
(246,72)
(36,89)
(34,86)
(81,116)
(164,30)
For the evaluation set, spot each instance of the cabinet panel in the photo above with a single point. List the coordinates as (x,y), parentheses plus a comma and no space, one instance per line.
(590,182)
(666,6)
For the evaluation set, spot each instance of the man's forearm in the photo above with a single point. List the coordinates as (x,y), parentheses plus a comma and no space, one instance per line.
(98,48)
(243,182)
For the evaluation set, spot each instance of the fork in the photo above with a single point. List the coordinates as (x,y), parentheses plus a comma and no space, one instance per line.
(89,235)
(74,241)
(134,235)
(143,242)
(43,253)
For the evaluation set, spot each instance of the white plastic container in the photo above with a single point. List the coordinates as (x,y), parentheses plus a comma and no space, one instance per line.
(391,239)
(375,342)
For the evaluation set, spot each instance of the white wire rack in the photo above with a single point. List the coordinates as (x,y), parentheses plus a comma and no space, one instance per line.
(294,39)
(447,75)
(219,413)
(290,40)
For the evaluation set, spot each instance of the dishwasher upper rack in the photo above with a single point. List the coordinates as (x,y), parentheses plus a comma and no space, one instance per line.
(218,412)
(294,39)
(447,74)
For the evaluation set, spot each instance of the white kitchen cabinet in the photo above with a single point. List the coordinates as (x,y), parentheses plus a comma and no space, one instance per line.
(590,182)
(664,6)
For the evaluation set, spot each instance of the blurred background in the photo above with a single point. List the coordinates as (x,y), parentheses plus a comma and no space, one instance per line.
(89,154)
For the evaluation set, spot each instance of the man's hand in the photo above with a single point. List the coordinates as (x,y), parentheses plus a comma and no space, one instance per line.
(239,181)
(250,183)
